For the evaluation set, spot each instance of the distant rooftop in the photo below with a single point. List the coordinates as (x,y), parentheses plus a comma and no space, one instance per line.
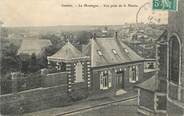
(36,46)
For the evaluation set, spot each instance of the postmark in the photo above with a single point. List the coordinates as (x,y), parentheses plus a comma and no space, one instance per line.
(169,5)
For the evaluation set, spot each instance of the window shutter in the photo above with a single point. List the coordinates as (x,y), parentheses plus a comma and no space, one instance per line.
(137,73)
(101,80)
(110,78)
(130,74)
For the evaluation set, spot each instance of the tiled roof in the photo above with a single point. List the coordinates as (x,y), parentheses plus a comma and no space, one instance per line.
(109,51)
(67,52)
(150,84)
(30,46)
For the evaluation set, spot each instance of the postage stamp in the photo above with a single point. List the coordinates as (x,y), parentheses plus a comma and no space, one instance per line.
(170,5)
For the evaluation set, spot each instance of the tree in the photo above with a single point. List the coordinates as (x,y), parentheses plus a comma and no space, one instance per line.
(9,60)
(83,37)
(33,64)
(24,62)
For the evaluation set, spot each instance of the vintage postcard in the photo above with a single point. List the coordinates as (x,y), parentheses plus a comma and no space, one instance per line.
(92,57)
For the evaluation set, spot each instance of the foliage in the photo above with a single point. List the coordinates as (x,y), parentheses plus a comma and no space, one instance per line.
(9,60)
(83,37)
(56,41)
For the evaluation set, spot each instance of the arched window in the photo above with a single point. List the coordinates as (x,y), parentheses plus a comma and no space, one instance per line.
(174,59)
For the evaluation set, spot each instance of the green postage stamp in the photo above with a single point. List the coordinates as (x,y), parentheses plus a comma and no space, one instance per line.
(170,5)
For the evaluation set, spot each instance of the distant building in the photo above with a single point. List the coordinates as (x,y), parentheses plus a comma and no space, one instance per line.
(33,46)
(166,96)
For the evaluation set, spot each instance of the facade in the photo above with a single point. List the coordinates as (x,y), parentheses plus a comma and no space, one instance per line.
(105,66)
(169,82)
(152,93)
(175,75)
(70,60)
(115,67)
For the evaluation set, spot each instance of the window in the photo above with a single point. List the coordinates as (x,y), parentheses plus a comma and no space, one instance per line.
(58,66)
(133,74)
(99,52)
(79,75)
(105,80)
(114,51)
(174,60)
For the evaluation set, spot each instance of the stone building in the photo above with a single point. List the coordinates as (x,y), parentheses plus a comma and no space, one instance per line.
(78,68)
(105,66)
(169,79)
(115,67)
(175,64)
(152,92)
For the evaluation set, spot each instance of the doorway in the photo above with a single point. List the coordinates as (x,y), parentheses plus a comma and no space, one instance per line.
(120,80)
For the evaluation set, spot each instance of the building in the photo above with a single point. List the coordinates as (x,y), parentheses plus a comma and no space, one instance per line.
(78,68)
(33,46)
(175,64)
(152,92)
(106,66)
(115,67)
(168,93)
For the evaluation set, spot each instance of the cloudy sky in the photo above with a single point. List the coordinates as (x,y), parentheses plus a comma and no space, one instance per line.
(50,12)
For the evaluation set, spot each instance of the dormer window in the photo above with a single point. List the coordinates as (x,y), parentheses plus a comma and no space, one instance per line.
(126,50)
(114,51)
(99,52)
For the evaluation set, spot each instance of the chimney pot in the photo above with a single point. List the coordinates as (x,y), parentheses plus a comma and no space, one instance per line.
(94,36)
(116,35)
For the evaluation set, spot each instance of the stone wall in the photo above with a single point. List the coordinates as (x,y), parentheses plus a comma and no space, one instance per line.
(53,93)
(176,28)
(55,79)
(33,100)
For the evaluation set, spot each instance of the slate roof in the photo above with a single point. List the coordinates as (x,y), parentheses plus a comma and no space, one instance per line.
(67,52)
(109,51)
(30,46)
(150,84)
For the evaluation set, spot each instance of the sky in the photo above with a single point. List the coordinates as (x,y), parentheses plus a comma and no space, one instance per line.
(51,12)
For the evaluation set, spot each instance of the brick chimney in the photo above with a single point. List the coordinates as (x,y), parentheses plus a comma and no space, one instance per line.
(94,36)
(116,35)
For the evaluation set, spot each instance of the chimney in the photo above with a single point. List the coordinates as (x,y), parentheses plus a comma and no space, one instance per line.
(116,35)
(94,36)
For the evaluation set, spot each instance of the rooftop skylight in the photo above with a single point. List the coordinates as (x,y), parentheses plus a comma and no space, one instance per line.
(126,50)
(114,51)
(99,52)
